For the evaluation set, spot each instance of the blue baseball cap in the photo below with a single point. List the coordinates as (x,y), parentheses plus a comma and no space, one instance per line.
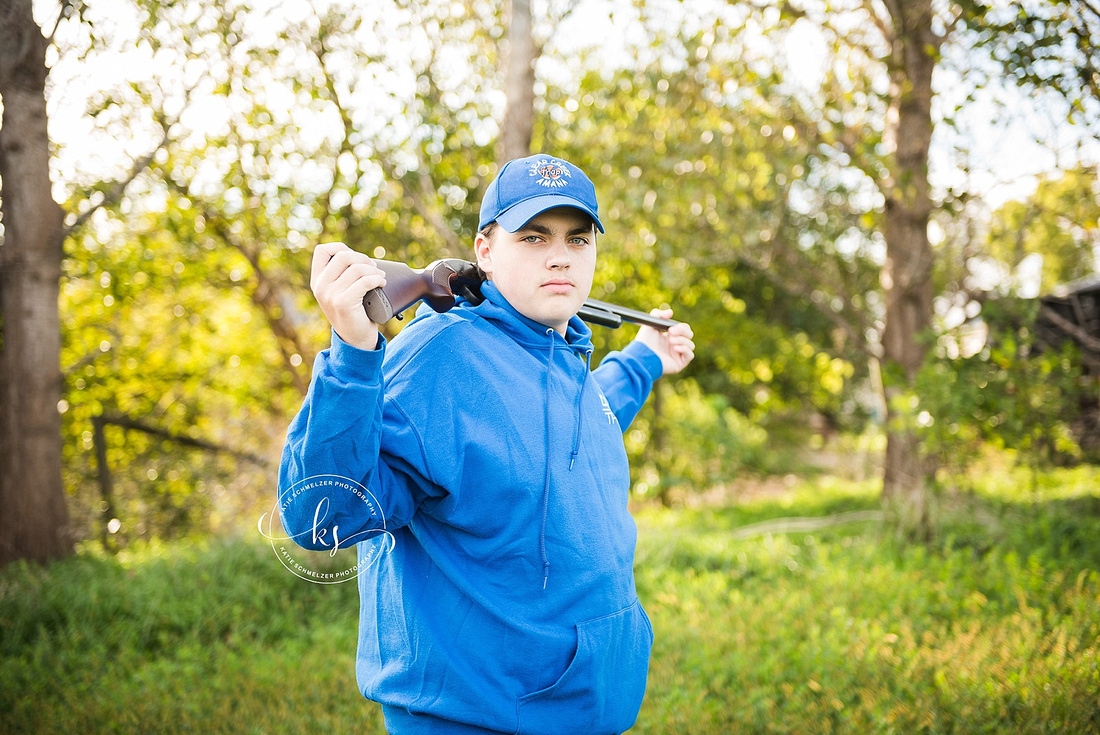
(529,186)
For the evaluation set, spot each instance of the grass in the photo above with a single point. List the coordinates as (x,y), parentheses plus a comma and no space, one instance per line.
(188,637)
(994,627)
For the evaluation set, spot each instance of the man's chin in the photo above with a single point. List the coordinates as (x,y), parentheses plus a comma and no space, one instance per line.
(558,311)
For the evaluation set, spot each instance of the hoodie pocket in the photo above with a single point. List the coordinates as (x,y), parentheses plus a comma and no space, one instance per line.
(602,688)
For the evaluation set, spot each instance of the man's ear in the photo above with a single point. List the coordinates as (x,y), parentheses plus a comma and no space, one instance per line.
(483,249)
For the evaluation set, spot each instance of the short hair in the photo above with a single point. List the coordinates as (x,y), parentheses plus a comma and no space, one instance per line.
(488,230)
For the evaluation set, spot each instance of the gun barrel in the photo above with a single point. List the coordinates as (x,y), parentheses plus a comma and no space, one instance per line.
(595,315)
(599,309)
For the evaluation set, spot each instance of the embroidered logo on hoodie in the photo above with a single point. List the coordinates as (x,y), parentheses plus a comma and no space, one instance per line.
(611,418)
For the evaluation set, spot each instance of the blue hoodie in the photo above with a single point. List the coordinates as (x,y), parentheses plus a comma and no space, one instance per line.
(507,602)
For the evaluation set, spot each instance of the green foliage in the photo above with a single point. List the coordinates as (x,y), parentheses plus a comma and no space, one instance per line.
(186,304)
(210,637)
(723,225)
(747,230)
(1059,223)
(690,440)
(1009,395)
(157,331)
(351,123)
(741,197)
(993,627)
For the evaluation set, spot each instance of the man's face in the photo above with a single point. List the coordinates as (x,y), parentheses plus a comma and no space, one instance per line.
(545,268)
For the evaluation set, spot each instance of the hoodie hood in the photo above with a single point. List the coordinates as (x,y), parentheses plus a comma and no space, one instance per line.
(528,332)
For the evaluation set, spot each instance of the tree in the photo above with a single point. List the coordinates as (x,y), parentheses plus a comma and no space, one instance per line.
(1045,46)
(716,206)
(517,125)
(791,227)
(869,124)
(913,48)
(862,137)
(196,284)
(872,115)
(33,515)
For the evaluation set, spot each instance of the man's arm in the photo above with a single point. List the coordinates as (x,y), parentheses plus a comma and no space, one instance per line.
(627,377)
(334,437)
(337,433)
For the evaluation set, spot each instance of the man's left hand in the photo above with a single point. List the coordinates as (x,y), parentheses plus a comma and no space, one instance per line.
(673,346)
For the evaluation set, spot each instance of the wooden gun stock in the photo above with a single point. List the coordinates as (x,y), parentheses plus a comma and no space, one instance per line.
(439,282)
(436,285)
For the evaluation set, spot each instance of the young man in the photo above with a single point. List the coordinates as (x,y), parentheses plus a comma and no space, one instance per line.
(507,603)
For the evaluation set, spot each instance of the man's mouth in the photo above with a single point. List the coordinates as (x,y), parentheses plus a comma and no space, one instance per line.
(559,285)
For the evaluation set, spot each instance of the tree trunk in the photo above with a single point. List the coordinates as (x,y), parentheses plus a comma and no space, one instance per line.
(33,516)
(907,273)
(516,129)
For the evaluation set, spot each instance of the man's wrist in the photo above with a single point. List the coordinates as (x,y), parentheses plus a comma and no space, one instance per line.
(651,362)
(351,362)
(362,339)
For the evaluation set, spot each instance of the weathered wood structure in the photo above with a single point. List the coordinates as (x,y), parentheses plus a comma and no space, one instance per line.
(1072,312)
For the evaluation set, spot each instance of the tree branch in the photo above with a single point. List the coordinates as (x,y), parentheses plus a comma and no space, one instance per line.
(120,187)
(951,25)
(876,18)
(321,51)
(267,295)
(801,287)
(423,193)
(1091,8)
(93,355)
(895,11)
(126,422)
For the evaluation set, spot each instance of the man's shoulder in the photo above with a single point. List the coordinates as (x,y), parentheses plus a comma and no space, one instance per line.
(436,340)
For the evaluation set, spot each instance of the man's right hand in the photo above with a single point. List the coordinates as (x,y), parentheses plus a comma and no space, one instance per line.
(340,278)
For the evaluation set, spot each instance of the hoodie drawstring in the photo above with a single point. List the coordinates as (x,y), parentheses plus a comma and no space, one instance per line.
(546,481)
(575,449)
(578,409)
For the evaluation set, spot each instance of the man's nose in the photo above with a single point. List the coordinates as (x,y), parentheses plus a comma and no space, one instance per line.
(559,256)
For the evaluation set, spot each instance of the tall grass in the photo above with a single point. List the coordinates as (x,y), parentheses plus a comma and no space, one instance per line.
(187,637)
(994,627)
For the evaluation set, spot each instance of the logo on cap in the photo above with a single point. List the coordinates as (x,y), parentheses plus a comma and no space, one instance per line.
(551,173)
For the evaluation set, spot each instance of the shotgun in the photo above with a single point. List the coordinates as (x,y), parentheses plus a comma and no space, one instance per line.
(438,283)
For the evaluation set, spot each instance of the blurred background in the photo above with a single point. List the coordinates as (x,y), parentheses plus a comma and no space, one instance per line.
(880,218)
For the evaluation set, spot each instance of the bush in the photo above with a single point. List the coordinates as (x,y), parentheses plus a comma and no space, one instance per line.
(691,440)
